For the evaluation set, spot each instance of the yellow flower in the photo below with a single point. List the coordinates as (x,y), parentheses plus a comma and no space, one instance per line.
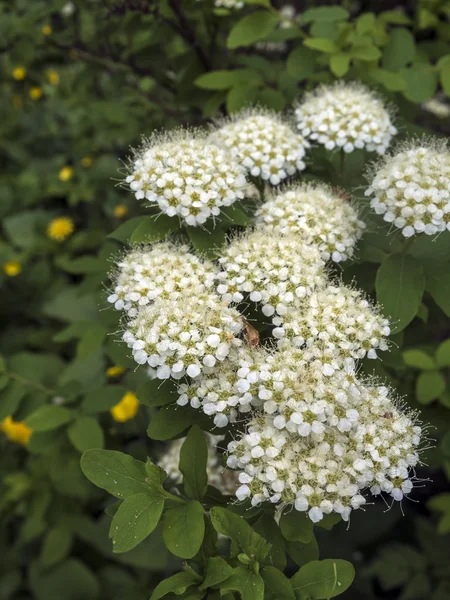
(53,77)
(35,93)
(12,268)
(120,210)
(65,174)
(16,431)
(87,161)
(126,409)
(47,30)
(19,73)
(59,229)
(115,371)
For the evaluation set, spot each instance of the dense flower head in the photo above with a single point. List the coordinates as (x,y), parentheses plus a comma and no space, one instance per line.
(183,335)
(60,229)
(320,215)
(230,390)
(221,478)
(411,188)
(334,323)
(329,470)
(263,143)
(345,115)
(273,270)
(165,269)
(186,176)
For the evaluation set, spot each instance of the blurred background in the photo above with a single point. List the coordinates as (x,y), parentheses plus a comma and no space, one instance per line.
(81,82)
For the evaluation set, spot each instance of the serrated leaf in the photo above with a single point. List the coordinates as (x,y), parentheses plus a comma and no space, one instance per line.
(119,474)
(184,529)
(135,519)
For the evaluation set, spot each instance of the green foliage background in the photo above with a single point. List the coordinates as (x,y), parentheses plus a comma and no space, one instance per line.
(125,68)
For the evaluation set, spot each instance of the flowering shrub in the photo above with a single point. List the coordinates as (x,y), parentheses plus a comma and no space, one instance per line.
(243,330)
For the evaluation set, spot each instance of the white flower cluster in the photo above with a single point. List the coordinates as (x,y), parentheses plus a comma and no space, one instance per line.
(186,177)
(162,270)
(264,144)
(231,4)
(316,213)
(358,439)
(411,188)
(273,270)
(347,116)
(184,335)
(335,323)
(221,478)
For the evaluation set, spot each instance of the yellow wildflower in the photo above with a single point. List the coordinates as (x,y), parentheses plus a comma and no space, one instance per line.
(16,431)
(120,211)
(65,174)
(12,268)
(87,161)
(19,73)
(47,30)
(126,409)
(115,371)
(53,77)
(59,229)
(35,93)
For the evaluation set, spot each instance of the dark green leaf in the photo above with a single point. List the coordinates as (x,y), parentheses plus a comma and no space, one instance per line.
(136,518)
(217,570)
(301,63)
(49,417)
(170,421)
(177,584)
(400,49)
(157,393)
(276,585)
(184,529)
(55,547)
(323,579)
(252,28)
(85,433)
(296,527)
(193,459)
(153,229)
(248,583)
(429,386)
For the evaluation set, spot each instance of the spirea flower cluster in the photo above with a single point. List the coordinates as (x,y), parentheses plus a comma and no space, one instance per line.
(347,116)
(165,269)
(271,270)
(225,480)
(321,216)
(186,176)
(264,144)
(411,188)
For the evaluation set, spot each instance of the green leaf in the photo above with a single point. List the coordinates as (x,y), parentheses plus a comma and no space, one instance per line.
(366,52)
(365,23)
(325,14)
(322,579)
(296,527)
(71,580)
(241,95)
(400,49)
(252,28)
(157,393)
(445,79)
(177,584)
(270,98)
(400,285)
(339,63)
(301,63)
(170,421)
(303,553)
(91,341)
(136,518)
(438,284)
(184,529)
(393,82)
(248,583)
(321,44)
(85,433)
(103,399)
(276,585)
(125,230)
(119,474)
(396,17)
(234,215)
(153,229)
(237,529)
(217,570)
(208,243)
(11,398)
(442,354)
(429,386)
(193,459)
(49,417)
(421,83)
(419,360)
(270,531)
(55,547)
(223,80)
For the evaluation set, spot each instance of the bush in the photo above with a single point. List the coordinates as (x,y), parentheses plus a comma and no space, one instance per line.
(301,278)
